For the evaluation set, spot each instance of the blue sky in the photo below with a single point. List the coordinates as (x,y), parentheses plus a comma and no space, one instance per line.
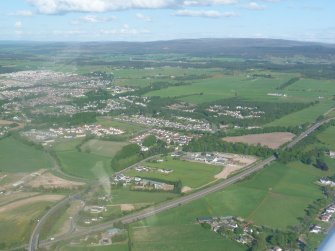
(146,20)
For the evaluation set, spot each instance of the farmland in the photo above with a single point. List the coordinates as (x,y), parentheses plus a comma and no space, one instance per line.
(30,159)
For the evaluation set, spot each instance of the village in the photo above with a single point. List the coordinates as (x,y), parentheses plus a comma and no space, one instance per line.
(163,123)
(238,112)
(49,136)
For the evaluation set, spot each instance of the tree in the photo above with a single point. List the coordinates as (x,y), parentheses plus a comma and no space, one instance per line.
(259,243)
(149,141)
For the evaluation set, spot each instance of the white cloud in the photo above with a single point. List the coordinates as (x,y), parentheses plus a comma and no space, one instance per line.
(125,30)
(97,19)
(18,25)
(204,13)
(143,17)
(22,13)
(63,6)
(255,6)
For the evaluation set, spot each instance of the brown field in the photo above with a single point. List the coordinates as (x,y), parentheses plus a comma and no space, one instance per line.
(272,140)
(48,180)
(32,200)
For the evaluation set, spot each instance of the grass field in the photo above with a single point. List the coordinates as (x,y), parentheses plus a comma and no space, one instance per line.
(227,87)
(103,148)
(82,164)
(18,157)
(191,174)
(16,225)
(307,115)
(328,137)
(275,197)
(113,247)
(312,88)
(130,129)
(125,196)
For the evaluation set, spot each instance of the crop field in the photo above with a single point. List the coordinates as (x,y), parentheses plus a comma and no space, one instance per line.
(307,115)
(272,140)
(191,174)
(275,197)
(226,87)
(103,148)
(312,88)
(30,159)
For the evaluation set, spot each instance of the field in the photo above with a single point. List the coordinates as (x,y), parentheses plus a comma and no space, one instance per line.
(275,197)
(113,247)
(18,220)
(103,148)
(48,180)
(191,174)
(30,159)
(307,115)
(227,87)
(83,165)
(272,140)
(328,137)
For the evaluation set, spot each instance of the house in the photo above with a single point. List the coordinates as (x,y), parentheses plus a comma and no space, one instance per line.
(332,154)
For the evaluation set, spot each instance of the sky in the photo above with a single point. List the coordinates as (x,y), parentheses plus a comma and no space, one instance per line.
(150,20)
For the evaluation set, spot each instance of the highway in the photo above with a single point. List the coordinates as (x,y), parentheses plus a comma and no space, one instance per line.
(151,211)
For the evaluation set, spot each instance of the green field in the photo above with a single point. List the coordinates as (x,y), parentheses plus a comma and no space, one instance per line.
(130,129)
(103,148)
(275,197)
(191,174)
(84,165)
(307,115)
(125,196)
(312,88)
(16,225)
(113,247)
(16,156)
(328,137)
(227,87)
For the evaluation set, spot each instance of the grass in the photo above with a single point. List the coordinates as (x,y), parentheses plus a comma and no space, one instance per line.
(130,129)
(102,148)
(191,174)
(307,115)
(16,225)
(227,87)
(312,88)
(19,157)
(84,165)
(182,238)
(328,137)
(125,196)
(113,247)
(275,197)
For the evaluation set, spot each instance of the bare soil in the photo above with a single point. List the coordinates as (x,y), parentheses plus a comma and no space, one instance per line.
(272,140)
(48,180)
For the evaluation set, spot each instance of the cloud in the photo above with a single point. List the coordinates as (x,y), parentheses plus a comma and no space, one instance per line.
(143,17)
(125,30)
(18,25)
(22,13)
(255,6)
(96,19)
(63,6)
(198,13)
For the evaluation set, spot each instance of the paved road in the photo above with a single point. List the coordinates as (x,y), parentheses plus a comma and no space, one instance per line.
(171,204)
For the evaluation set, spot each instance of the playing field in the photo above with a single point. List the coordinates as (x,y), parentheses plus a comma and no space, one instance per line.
(275,197)
(18,157)
(191,174)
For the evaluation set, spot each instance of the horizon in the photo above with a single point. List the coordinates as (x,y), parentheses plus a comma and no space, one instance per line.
(164,20)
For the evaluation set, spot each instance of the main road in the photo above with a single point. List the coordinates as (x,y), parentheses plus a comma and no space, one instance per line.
(151,211)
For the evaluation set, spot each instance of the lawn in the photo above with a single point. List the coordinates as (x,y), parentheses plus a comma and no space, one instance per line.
(102,147)
(191,174)
(275,197)
(16,156)
(307,115)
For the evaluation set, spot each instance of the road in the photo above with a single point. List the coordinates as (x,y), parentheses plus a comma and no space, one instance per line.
(169,204)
